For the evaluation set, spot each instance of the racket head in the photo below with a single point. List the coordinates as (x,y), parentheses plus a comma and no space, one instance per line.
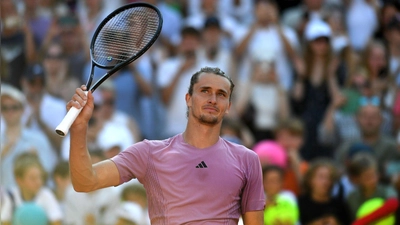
(125,34)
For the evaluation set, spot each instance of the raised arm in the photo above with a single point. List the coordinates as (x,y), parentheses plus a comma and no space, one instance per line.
(86,177)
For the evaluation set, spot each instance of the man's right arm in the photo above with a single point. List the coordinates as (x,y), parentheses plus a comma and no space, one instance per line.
(86,177)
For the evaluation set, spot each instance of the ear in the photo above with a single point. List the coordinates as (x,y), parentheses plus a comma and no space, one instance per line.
(188,97)
(228,108)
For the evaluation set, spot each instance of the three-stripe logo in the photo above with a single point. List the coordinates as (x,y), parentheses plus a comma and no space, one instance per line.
(202,165)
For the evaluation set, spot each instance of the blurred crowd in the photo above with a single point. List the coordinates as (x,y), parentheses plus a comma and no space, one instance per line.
(317,97)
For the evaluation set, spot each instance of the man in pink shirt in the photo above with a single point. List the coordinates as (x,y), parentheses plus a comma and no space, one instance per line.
(195,177)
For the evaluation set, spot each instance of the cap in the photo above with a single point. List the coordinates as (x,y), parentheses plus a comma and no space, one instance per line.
(34,71)
(212,22)
(14,93)
(317,28)
(270,152)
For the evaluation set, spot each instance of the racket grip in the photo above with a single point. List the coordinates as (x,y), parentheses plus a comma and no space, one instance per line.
(63,128)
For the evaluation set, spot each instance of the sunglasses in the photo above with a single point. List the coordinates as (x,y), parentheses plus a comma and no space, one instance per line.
(7,108)
(374,100)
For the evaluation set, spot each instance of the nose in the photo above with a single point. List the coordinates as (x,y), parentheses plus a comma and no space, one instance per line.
(212,99)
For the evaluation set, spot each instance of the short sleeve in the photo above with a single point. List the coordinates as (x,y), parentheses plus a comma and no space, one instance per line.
(51,205)
(166,71)
(132,162)
(6,207)
(253,198)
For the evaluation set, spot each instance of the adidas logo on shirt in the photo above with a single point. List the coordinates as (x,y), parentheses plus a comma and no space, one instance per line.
(202,165)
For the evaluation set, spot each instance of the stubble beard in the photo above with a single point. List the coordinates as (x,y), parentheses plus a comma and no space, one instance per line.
(206,119)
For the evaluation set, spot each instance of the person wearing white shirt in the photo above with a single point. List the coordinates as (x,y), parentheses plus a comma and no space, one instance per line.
(174,75)
(266,31)
(30,190)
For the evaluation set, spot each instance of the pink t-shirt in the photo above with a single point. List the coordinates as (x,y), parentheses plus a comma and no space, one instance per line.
(185,184)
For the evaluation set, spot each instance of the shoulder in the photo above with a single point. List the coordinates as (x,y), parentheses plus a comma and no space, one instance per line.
(45,193)
(238,149)
(153,145)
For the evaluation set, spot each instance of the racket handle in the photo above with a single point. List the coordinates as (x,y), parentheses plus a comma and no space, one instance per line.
(63,128)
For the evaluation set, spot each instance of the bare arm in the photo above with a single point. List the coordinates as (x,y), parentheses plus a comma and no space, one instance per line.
(144,86)
(169,90)
(242,46)
(253,218)
(84,176)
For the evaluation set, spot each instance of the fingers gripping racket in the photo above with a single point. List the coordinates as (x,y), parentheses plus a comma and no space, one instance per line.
(122,37)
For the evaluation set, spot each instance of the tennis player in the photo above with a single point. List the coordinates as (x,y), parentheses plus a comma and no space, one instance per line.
(195,177)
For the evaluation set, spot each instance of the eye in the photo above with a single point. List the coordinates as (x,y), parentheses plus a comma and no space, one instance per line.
(222,94)
(204,91)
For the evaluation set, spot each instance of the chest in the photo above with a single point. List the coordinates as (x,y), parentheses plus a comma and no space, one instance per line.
(199,177)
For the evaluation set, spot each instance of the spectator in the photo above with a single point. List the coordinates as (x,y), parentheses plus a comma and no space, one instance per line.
(172,23)
(315,87)
(59,82)
(369,119)
(347,181)
(365,171)
(361,22)
(387,11)
(68,30)
(133,207)
(44,111)
(61,181)
(93,208)
(281,205)
(90,14)
(17,44)
(233,130)
(37,21)
(110,114)
(173,76)
(214,53)
(290,135)
(263,86)
(266,32)
(297,17)
(316,205)
(30,177)
(17,138)
(210,8)
(270,153)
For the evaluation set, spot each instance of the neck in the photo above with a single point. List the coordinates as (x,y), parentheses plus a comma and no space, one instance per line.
(13,129)
(320,197)
(367,192)
(201,136)
(371,139)
(394,49)
(27,195)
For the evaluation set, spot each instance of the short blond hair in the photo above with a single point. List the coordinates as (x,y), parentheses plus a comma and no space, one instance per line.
(26,160)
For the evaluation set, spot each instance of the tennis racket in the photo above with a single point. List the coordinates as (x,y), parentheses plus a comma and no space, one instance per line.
(122,37)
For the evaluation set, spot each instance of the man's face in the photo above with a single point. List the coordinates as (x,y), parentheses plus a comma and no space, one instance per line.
(210,99)
(368,179)
(212,36)
(289,140)
(11,110)
(189,44)
(370,120)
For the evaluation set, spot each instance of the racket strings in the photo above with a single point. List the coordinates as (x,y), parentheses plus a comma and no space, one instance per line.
(124,35)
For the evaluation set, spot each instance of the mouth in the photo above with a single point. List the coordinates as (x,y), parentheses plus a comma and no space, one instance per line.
(211,108)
